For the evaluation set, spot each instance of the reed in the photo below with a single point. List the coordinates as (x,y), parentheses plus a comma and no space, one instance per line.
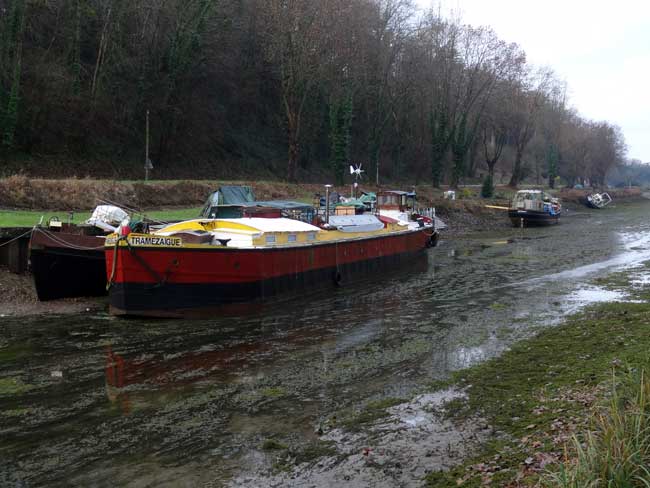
(616,451)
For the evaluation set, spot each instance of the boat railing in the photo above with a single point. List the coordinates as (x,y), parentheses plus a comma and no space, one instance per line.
(429,212)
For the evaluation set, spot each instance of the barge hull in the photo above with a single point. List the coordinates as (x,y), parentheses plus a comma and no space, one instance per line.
(173,282)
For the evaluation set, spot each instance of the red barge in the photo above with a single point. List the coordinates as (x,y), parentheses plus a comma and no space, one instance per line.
(203,263)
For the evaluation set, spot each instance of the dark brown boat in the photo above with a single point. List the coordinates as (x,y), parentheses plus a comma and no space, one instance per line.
(67,260)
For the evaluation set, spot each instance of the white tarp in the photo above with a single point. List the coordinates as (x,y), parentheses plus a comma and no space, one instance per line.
(107,217)
(356,223)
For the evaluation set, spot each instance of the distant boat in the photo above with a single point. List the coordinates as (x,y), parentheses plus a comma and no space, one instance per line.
(534,208)
(598,200)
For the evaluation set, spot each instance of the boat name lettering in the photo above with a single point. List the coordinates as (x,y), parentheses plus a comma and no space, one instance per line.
(155,241)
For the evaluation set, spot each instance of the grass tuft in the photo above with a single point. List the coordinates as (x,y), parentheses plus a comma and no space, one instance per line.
(616,450)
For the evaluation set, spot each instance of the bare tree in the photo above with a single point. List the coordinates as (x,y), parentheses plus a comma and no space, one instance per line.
(527,99)
(297,45)
(485,60)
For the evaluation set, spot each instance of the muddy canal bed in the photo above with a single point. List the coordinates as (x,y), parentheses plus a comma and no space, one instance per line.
(321,389)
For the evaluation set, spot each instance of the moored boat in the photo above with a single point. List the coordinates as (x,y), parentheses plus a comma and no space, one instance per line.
(203,263)
(534,208)
(67,260)
(598,200)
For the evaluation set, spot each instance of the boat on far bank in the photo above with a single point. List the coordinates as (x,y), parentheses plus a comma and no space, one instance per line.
(598,200)
(534,208)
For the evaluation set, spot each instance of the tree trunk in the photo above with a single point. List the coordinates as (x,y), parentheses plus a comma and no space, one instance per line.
(293,152)
(491,166)
(516,171)
(103,41)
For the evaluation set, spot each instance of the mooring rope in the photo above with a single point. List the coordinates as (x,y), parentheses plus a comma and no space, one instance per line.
(111,280)
(63,243)
(16,238)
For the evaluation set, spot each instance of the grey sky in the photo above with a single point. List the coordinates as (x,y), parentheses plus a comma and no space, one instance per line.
(600,48)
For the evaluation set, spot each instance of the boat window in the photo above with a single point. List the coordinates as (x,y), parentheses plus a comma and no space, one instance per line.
(311,236)
(292,238)
(270,239)
(388,199)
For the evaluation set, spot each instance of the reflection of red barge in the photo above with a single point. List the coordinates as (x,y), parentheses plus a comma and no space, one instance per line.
(203,263)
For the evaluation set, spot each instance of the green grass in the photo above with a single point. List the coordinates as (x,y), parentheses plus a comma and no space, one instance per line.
(615,451)
(29,218)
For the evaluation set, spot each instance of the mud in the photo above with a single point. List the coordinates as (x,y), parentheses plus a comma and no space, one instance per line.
(89,399)
(399,450)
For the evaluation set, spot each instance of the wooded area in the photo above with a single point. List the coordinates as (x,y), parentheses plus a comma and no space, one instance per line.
(296,88)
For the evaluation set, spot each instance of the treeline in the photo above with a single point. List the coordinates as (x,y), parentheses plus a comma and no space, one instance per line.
(290,87)
(632,173)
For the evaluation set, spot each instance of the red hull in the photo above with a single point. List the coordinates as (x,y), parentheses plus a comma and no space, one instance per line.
(155,281)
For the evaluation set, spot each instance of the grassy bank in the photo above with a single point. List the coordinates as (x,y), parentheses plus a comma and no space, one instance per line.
(22,193)
(544,391)
(28,218)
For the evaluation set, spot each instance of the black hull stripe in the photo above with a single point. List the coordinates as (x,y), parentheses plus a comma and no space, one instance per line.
(533,218)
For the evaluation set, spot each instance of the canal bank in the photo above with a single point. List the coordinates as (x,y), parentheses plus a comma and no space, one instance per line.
(279,389)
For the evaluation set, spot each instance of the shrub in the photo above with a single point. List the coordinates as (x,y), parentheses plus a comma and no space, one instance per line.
(487,190)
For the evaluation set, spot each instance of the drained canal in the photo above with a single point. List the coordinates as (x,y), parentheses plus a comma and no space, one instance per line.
(95,400)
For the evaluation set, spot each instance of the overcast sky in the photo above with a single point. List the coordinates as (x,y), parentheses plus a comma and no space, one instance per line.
(600,48)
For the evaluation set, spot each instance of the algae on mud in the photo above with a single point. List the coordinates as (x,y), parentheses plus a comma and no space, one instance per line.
(539,394)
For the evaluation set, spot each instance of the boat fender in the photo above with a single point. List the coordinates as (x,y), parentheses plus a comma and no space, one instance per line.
(338,278)
(124,228)
(432,241)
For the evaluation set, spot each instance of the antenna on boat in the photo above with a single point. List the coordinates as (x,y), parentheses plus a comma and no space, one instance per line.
(327,203)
